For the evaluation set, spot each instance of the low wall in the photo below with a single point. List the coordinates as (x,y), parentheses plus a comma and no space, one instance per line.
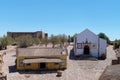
(114,62)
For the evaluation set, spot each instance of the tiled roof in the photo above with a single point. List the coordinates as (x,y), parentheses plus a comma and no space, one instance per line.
(40,52)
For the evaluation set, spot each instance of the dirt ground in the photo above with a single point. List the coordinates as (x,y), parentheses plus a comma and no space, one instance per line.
(76,69)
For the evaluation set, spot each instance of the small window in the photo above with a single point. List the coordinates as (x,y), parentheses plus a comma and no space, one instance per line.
(21,63)
(28,64)
(79,45)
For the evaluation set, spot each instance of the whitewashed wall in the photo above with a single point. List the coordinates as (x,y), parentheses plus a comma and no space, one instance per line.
(93,39)
(103,45)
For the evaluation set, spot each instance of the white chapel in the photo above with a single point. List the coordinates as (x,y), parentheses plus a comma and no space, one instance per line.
(88,43)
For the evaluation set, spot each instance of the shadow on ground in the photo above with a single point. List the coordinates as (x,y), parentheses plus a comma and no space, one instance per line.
(81,57)
(12,69)
(71,56)
(38,71)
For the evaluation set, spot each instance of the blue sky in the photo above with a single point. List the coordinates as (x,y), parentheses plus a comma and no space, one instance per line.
(61,16)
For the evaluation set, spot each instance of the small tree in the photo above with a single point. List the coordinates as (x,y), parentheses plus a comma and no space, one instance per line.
(116,44)
(102,35)
(45,41)
(63,38)
(54,40)
(72,38)
(3,43)
(10,40)
(36,41)
(24,41)
(69,39)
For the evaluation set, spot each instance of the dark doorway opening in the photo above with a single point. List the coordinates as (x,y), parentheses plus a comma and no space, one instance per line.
(86,50)
(42,65)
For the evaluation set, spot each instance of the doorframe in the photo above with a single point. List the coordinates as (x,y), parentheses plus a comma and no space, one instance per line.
(88,50)
(42,67)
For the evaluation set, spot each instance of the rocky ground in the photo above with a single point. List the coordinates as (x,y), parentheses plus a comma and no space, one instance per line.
(76,69)
(113,71)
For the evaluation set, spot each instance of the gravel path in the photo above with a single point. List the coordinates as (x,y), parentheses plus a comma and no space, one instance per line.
(76,69)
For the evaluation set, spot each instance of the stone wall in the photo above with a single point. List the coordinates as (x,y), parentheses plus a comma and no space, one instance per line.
(114,62)
(38,34)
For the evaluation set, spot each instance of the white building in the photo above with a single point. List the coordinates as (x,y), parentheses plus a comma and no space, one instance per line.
(88,43)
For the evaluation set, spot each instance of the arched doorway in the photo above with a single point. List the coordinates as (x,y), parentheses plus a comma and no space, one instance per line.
(86,50)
